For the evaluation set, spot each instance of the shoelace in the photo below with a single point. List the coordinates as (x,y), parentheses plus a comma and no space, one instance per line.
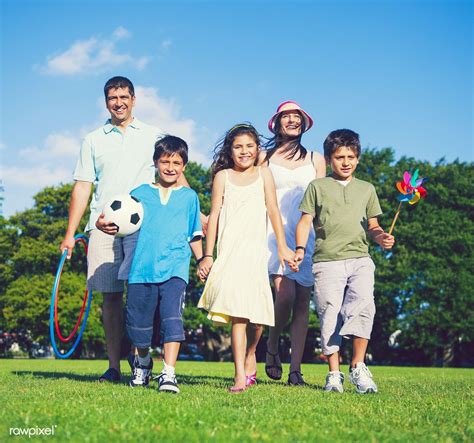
(140,374)
(362,373)
(336,378)
(165,376)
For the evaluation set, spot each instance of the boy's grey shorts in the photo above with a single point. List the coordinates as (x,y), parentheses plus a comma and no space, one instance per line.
(344,297)
(108,260)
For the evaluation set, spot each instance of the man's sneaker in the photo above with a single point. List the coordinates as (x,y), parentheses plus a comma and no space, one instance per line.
(141,375)
(361,378)
(167,383)
(334,381)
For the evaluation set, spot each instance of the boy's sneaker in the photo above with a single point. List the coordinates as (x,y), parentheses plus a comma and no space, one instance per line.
(141,374)
(334,381)
(361,378)
(132,361)
(167,383)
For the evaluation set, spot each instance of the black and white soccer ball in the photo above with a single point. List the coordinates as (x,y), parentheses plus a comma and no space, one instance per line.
(125,212)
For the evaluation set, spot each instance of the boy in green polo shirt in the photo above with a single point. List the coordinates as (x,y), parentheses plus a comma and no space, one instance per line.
(343,210)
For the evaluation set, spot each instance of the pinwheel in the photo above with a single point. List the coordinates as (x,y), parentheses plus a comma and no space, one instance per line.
(410,190)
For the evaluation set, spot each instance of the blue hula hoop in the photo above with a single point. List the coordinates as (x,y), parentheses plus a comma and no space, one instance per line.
(51,308)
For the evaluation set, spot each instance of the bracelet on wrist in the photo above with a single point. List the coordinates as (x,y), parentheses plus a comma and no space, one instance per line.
(203,257)
(300,247)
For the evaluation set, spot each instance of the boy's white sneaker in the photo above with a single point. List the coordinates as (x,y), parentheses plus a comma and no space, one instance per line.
(141,374)
(167,383)
(361,378)
(334,381)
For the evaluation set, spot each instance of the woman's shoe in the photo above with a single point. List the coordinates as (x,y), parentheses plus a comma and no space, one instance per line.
(251,379)
(278,368)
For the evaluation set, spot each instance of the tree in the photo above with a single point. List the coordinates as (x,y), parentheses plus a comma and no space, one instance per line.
(29,250)
(423,287)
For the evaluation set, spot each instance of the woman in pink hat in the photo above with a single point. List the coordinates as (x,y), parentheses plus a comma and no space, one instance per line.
(293,168)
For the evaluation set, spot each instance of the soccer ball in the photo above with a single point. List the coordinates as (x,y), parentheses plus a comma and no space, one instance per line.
(125,212)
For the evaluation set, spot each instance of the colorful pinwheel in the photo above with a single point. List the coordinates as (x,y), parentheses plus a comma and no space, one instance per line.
(410,190)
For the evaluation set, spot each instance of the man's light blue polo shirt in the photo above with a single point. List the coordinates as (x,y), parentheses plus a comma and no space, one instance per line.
(116,162)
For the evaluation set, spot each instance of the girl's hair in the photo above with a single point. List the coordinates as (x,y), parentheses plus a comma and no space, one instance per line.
(294,144)
(222,156)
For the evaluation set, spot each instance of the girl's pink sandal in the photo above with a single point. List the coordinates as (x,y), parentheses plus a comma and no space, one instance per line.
(251,379)
(235,390)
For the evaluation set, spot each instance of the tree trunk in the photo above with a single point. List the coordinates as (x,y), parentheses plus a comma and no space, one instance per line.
(448,354)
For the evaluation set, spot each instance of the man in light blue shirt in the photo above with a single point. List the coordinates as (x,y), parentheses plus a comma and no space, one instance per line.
(115,158)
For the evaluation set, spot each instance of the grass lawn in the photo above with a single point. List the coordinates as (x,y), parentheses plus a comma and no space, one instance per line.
(413,404)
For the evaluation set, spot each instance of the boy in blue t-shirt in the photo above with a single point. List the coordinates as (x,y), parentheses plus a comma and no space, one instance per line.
(160,269)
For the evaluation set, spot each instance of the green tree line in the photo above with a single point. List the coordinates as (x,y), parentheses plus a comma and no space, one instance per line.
(424,286)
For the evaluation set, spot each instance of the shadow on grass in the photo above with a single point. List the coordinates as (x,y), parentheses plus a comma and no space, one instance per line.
(58,375)
(217,382)
(225,381)
(186,379)
(286,385)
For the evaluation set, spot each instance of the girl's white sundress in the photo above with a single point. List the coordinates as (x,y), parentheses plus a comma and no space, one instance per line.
(238,284)
(290,186)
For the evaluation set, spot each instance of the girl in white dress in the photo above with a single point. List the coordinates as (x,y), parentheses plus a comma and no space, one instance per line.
(293,168)
(237,288)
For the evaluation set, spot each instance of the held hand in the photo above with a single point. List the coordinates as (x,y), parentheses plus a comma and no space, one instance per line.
(385,240)
(105,226)
(204,222)
(287,255)
(204,267)
(68,243)
(299,256)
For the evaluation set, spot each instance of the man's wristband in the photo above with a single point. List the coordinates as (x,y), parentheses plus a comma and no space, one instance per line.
(203,257)
(300,247)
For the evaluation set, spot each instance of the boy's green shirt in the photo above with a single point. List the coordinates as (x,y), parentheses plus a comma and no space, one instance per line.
(340,217)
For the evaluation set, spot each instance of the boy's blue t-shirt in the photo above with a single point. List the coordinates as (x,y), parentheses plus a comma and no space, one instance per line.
(163,250)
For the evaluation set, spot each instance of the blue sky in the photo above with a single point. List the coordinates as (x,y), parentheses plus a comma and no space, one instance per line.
(397,72)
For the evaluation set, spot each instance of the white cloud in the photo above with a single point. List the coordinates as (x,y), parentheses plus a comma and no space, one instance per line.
(121,33)
(166,114)
(51,162)
(47,165)
(166,44)
(35,177)
(57,147)
(93,56)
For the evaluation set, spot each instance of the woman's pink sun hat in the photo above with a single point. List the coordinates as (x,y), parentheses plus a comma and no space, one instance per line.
(290,106)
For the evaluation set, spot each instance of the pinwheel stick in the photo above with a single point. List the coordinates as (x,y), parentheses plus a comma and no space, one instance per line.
(395,218)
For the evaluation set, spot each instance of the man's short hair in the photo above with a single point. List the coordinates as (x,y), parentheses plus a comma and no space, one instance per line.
(119,82)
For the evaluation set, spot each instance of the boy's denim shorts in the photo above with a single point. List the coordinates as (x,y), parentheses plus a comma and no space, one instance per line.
(144,299)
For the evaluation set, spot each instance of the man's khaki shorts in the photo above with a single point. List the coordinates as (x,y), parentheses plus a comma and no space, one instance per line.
(108,261)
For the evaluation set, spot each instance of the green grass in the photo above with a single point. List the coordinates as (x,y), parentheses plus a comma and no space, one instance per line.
(413,404)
